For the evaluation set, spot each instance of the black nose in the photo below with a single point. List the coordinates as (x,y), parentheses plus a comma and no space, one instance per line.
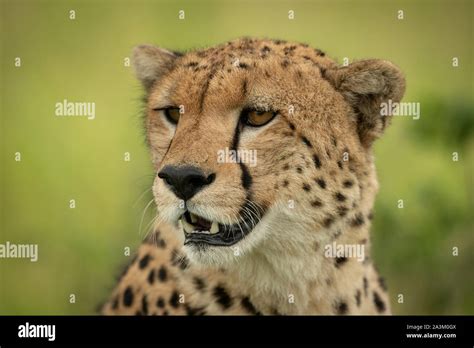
(185,181)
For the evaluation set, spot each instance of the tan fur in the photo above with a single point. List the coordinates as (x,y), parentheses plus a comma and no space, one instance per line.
(315,180)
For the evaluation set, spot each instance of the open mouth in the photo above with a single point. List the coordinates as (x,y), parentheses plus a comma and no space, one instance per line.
(198,230)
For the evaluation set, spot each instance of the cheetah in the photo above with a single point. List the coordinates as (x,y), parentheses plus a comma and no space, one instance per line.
(263,237)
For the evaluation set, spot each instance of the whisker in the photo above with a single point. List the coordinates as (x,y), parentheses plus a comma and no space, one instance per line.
(143,215)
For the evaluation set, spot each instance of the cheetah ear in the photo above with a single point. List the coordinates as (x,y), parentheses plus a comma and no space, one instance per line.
(365,85)
(150,63)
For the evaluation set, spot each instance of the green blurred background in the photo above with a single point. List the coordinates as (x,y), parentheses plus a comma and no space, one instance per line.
(81,249)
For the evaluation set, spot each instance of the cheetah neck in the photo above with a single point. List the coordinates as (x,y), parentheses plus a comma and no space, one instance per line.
(299,269)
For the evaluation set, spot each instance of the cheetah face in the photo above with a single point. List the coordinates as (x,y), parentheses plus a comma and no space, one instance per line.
(240,130)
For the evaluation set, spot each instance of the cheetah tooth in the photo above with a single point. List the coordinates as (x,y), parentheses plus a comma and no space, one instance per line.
(187,226)
(214,228)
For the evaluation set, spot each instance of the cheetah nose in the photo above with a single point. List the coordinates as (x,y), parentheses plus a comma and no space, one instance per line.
(185,181)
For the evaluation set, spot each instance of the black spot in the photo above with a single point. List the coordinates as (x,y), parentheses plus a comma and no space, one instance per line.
(342,211)
(321,183)
(249,307)
(317,161)
(223,297)
(161,243)
(285,63)
(160,303)
(162,274)
(151,276)
(306,187)
(178,260)
(165,313)
(371,215)
(358,220)
(144,261)
(319,52)
(192,64)
(341,308)
(174,256)
(292,126)
(174,299)
(379,304)
(334,141)
(340,197)
(144,305)
(299,170)
(128,297)
(286,166)
(357,297)
(348,183)
(285,183)
(244,88)
(339,163)
(316,203)
(328,221)
(184,263)
(366,285)
(289,50)
(265,49)
(115,303)
(243,65)
(199,283)
(340,261)
(382,283)
(306,141)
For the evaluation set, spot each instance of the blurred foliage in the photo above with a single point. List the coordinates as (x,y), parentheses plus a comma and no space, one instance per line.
(83,60)
(451,121)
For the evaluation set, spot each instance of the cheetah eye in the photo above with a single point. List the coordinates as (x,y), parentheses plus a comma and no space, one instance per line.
(172,114)
(257,118)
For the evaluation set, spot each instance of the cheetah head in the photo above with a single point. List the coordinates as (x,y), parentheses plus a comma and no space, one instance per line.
(258,143)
